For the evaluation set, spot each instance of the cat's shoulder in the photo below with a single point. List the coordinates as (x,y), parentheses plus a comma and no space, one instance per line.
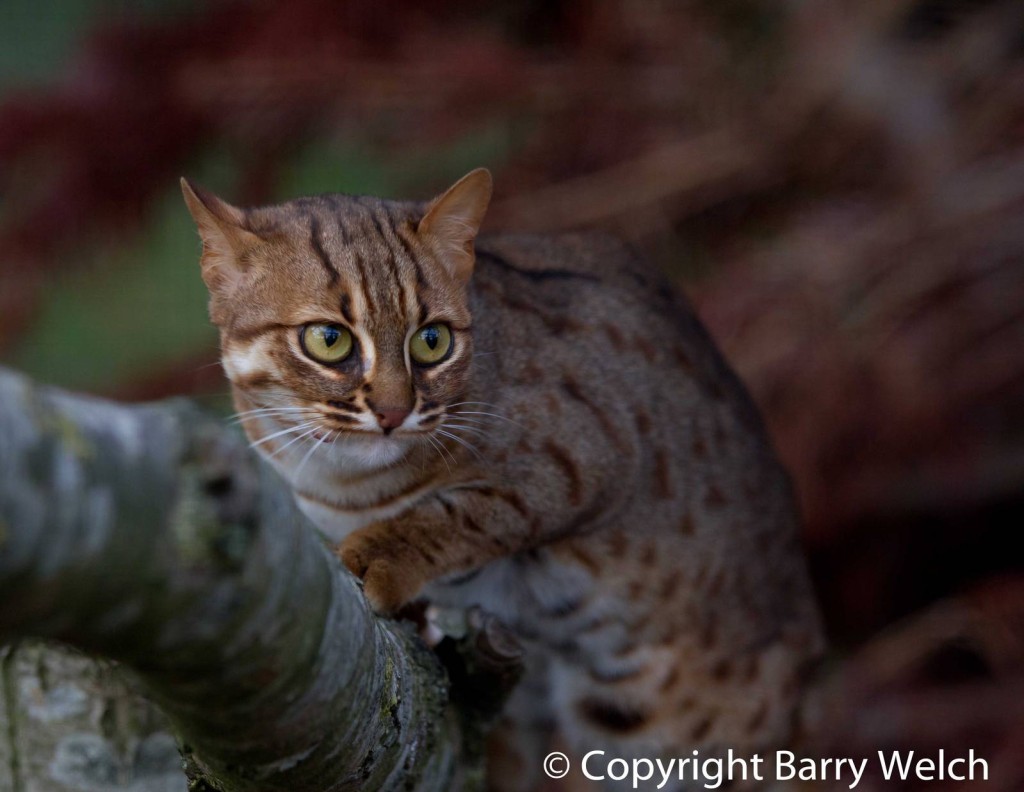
(583,255)
(583,271)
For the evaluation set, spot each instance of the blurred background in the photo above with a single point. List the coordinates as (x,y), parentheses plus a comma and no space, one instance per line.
(838,185)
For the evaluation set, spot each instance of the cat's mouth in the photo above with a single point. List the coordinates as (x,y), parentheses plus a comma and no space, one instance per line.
(326,436)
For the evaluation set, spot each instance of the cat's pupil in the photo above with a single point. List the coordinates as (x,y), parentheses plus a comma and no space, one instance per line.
(331,336)
(431,336)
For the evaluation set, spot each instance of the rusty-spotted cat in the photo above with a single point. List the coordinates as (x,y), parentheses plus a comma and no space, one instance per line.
(537,425)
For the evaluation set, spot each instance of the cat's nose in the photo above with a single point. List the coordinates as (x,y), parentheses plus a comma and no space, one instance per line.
(391,418)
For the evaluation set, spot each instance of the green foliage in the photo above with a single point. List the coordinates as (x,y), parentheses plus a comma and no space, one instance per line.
(138,309)
(39,39)
(135,313)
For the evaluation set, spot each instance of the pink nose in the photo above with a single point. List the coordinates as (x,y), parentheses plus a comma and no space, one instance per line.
(391,419)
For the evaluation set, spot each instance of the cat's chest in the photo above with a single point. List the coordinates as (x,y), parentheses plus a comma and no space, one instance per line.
(339,502)
(333,523)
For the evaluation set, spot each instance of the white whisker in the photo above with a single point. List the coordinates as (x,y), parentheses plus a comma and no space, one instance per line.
(465,443)
(267,409)
(289,430)
(460,427)
(343,436)
(310,453)
(492,415)
(474,421)
(445,449)
(270,412)
(434,444)
(302,436)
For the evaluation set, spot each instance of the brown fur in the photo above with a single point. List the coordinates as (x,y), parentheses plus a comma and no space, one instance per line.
(586,466)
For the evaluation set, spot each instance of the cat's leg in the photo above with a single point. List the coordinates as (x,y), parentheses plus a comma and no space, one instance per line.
(478,518)
(447,532)
(523,736)
(672,706)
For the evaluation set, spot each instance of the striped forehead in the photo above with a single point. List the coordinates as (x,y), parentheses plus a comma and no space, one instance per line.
(369,257)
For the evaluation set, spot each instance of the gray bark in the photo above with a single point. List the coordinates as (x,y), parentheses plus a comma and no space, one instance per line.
(150,535)
(69,723)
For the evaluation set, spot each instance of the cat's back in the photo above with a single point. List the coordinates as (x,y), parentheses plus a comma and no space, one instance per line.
(559,267)
(605,369)
(585,254)
(577,285)
(565,308)
(679,582)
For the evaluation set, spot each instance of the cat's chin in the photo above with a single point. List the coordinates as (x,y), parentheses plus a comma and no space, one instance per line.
(364,451)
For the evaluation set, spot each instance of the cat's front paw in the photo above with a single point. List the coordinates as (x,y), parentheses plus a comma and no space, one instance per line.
(389,580)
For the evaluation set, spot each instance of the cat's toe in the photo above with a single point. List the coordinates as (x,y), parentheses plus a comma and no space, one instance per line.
(389,586)
(359,550)
(389,582)
(354,556)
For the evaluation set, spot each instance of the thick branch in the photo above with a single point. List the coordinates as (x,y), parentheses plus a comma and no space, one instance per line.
(151,536)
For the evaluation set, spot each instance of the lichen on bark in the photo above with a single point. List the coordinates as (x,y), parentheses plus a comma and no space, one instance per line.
(150,535)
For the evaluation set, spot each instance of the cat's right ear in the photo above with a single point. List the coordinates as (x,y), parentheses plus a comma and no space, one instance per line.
(225,237)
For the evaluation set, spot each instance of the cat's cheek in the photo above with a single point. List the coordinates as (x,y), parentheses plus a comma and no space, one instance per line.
(243,362)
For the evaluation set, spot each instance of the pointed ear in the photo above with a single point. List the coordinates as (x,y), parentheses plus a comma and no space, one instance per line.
(453,220)
(225,237)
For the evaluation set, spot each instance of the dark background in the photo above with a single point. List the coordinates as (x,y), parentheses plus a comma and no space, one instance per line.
(838,185)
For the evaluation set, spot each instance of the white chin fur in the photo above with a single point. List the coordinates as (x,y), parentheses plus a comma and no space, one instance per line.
(366,453)
(352,453)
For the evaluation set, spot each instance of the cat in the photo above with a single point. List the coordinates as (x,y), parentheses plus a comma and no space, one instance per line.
(535,425)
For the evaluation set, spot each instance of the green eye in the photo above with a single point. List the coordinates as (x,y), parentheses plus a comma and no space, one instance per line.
(430,344)
(326,343)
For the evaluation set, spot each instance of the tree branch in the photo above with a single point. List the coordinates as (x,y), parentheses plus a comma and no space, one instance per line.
(151,536)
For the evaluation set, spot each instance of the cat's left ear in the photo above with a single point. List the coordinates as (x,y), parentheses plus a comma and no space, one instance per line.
(453,220)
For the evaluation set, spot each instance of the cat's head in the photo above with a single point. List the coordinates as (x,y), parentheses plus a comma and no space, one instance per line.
(342,317)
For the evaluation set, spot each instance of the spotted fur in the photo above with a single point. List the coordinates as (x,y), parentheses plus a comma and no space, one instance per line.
(584,465)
